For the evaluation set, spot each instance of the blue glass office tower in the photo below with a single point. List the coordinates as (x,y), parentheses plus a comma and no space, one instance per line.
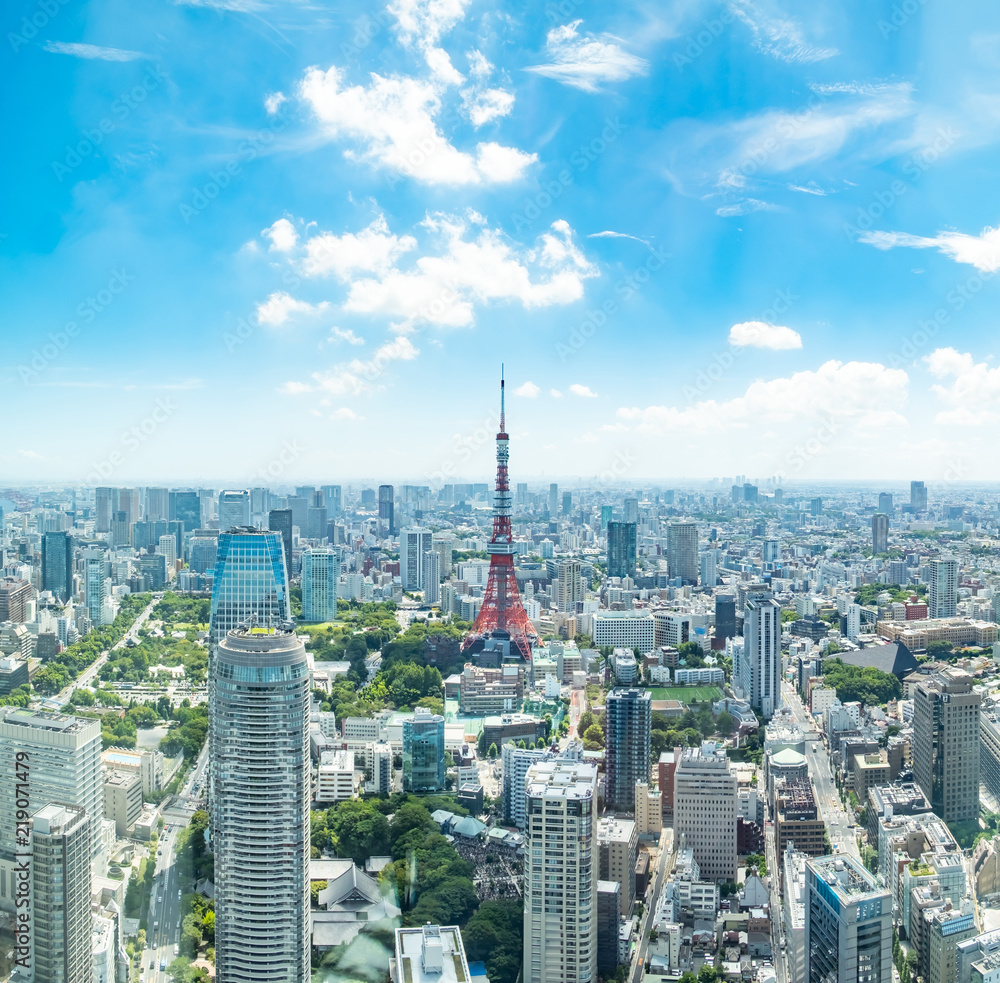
(621,549)
(250,581)
(57,564)
(423,752)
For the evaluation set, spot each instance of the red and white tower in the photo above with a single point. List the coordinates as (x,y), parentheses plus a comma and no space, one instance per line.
(502,614)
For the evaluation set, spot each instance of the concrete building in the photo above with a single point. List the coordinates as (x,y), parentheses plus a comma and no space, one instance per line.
(648,809)
(429,954)
(618,850)
(484,691)
(123,800)
(705,793)
(624,629)
(423,752)
(682,552)
(414,542)
(13,673)
(516,762)
(870,770)
(798,821)
(335,777)
(15,595)
(628,722)
(621,549)
(848,923)
(261,792)
(560,873)
(946,743)
(609,916)
(942,592)
(880,533)
(568,585)
(146,763)
(381,767)
(757,678)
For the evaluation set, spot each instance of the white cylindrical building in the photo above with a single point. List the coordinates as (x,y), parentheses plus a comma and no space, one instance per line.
(259,715)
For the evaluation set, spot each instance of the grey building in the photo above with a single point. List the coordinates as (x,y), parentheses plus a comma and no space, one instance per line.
(682,551)
(628,722)
(621,549)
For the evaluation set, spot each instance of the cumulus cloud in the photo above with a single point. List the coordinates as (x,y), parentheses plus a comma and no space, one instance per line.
(760,334)
(555,394)
(585,391)
(372,250)
(347,335)
(585,61)
(982,251)
(528,390)
(273,101)
(360,377)
(282,234)
(395,123)
(280,306)
(974,393)
(422,24)
(92,51)
(345,413)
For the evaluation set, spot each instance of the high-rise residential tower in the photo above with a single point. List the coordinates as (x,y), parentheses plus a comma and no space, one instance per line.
(880,533)
(386,510)
(628,719)
(568,585)
(757,674)
(621,549)
(234,510)
(560,873)
(413,544)
(631,509)
(57,564)
(682,551)
(918,496)
(885,503)
(946,743)
(432,577)
(95,585)
(942,592)
(320,573)
(261,789)
(103,507)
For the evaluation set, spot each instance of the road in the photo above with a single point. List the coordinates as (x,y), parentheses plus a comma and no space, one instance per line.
(777,922)
(87,677)
(653,896)
(828,798)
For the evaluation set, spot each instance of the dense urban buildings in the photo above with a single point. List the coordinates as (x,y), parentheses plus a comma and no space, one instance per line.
(259,712)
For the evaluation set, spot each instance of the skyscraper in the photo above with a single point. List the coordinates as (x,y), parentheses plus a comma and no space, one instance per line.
(629,717)
(946,743)
(57,564)
(709,568)
(568,585)
(157,503)
(280,520)
(918,496)
(250,582)
(621,549)
(121,529)
(705,809)
(682,551)
(60,920)
(423,751)
(631,509)
(725,616)
(880,533)
(65,757)
(848,930)
(320,573)
(386,510)
(757,676)
(885,503)
(942,593)
(413,543)
(333,499)
(234,510)
(103,507)
(560,873)
(95,584)
(567,502)
(607,512)
(185,506)
(432,577)
(553,500)
(261,787)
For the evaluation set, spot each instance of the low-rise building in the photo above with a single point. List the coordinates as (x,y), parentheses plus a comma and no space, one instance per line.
(123,800)
(485,691)
(335,777)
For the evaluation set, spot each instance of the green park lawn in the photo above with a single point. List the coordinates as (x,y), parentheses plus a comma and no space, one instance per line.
(687,694)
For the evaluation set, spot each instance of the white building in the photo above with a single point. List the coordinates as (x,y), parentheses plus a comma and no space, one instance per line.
(942,593)
(167,545)
(705,807)
(432,577)
(671,628)
(414,542)
(757,676)
(379,754)
(624,629)
(234,510)
(430,954)
(96,586)
(335,777)
(516,762)
(707,676)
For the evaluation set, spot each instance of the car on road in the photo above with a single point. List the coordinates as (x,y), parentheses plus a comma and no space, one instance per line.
(177,950)
(154,945)
(163,965)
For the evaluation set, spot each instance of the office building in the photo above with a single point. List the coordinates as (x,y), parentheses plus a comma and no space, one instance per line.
(682,552)
(725,616)
(567,502)
(103,507)
(560,873)
(628,722)
(757,663)
(429,954)
(431,576)
(444,543)
(185,506)
(167,546)
(157,503)
(848,936)
(880,533)
(414,542)
(60,919)
(553,500)
(978,959)
(334,500)
(153,566)
(121,529)
(65,756)
(320,573)
(630,510)
(381,759)
(609,916)
(618,851)
(484,690)
(234,510)
(621,549)
(942,591)
(946,743)
(568,586)
(202,551)
(335,777)
(625,630)
(250,583)
(705,796)
(709,568)
(280,520)
(95,585)
(771,551)
(885,503)
(13,673)
(423,752)
(15,595)
(918,496)
(123,800)
(57,564)
(386,510)
(259,734)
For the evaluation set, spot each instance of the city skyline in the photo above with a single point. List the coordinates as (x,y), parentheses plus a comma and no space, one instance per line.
(654,212)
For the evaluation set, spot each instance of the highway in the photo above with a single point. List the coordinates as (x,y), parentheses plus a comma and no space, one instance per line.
(87,677)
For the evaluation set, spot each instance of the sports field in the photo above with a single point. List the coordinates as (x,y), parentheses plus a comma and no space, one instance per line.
(687,694)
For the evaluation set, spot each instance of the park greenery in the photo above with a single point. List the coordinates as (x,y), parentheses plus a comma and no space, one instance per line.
(865,684)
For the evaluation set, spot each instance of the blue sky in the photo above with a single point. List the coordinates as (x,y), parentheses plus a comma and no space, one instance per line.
(244,238)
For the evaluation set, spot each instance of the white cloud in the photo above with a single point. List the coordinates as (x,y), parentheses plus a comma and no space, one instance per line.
(848,392)
(528,390)
(608,234)
(744,207)
(237,6)
(283,236)
(273,101)
(555,394)
(479,67)
(423,23)
(31,455)
(347,335)
(483,105)
(759,334)
(585,391)
(360,376)
(584,62)
(280,305)
(345,413)
(974,393)
(777,35)
(295,388)
(92,51)
(394,120)
(982,251)
(372,250)
(444,289)
(808,189)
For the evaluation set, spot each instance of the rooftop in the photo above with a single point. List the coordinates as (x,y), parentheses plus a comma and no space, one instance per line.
(430,953)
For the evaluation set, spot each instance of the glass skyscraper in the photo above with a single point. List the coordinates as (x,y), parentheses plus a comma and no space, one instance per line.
(261,785)
(320,571)
(57,564)
(280,520)
(621,549)
(423,752)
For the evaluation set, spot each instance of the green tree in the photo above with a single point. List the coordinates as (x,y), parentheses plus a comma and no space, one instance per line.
(725,723)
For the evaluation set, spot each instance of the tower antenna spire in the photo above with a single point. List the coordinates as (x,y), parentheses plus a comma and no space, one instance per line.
(502,423)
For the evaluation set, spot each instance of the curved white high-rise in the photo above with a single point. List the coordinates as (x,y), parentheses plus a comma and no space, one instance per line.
(259,715)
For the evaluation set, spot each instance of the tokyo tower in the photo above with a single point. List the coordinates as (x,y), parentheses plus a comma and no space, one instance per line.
(502,615)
